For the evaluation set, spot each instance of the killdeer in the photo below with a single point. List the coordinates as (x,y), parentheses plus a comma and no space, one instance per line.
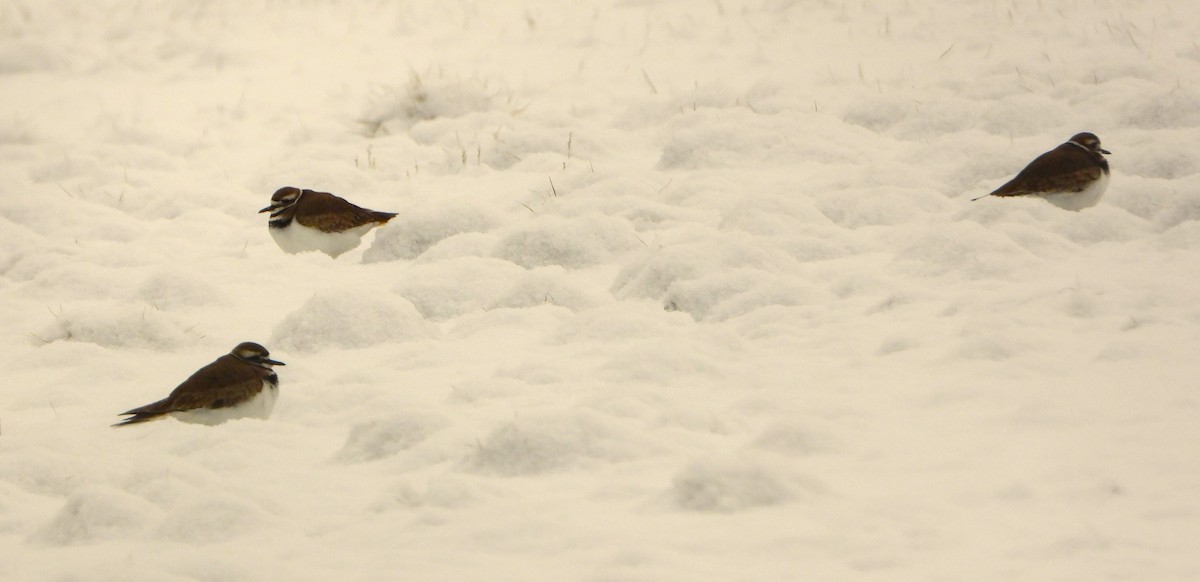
(305,220)
(1072,176)
(239,384)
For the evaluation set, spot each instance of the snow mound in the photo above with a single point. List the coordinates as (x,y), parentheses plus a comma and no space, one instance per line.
(17,131)
(1180,209)
(173,289)
(707,139)
(727,486)
(66,276)
(1027,114)
(1103,223)
(467,244)
(535,446)
(1163,108)
(741,138)
(879,113)
(698,296)
(792,438)
(444,491)
(124,327)
(724,295)
(350,317)
(547,285)
(11,521)
(212,519)
(1157,158)
(41,471)
(167,485)
(384,437)
(656,363)
(966,249)
(651,273)
(620,323)
(575,242)
(95,514)
(854,208)
(29,55)
(1182,237)
(772,216)
(432,96)
(698,275)
(413,232)
(447,289)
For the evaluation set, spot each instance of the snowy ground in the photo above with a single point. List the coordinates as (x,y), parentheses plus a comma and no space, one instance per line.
(679,291)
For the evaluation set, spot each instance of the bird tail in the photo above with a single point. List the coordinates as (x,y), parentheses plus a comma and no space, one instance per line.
(139,418)
(382,217)
(152,411)
(978,197)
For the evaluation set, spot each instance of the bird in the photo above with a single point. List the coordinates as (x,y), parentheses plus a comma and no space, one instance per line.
(1072,176)
(306,220)
(240,384)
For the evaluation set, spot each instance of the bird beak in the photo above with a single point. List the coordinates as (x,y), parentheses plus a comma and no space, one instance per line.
(268,209)
(1104,151)
(274,362)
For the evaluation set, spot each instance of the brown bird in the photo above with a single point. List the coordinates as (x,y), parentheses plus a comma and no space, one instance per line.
(306,220)
(1072,176)
(239,384)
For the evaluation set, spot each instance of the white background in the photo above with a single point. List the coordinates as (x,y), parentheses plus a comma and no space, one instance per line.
(678,291)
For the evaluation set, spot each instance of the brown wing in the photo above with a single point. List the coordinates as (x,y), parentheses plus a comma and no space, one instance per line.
(329,213)
(1059,170)
(218,385)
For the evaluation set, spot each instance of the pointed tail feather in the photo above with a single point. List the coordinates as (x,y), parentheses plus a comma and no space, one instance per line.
(152,411)
(140,418)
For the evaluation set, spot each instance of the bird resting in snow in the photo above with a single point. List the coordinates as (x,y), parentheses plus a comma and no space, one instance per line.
(239,384)
(307,220)
(1072,176)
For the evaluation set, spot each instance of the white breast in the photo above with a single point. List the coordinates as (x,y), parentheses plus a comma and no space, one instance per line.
(258,407)
(297,238)
(1087,198)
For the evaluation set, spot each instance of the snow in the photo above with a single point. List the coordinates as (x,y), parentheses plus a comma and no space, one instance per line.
(677,291)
